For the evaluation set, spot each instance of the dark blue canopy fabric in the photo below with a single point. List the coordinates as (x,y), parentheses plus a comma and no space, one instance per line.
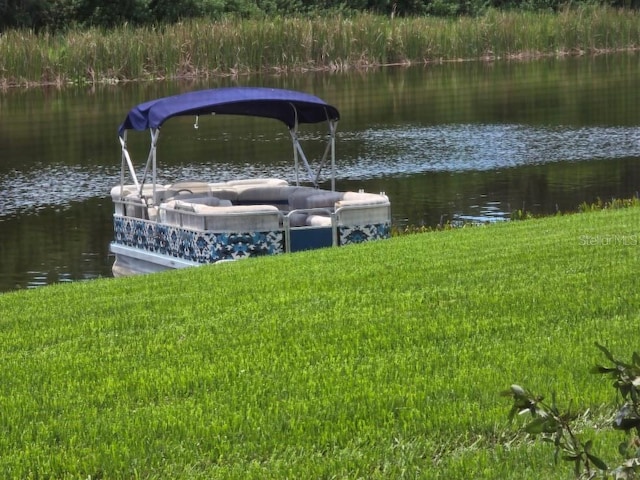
(275,103)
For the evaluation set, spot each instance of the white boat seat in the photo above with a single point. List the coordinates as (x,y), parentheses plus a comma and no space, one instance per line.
(118,192)
(135,207)
(184,206)
(225,193)
(210,201)
(222,217)
(240,218)
(179,189)
(318,221)
(360,198)
(169,212)
(275,182)
(363,209)
(189,204)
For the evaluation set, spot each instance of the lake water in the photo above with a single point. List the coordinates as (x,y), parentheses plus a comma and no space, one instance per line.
(452,142)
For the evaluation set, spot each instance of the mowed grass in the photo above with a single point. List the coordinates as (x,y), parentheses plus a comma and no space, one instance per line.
(382,360)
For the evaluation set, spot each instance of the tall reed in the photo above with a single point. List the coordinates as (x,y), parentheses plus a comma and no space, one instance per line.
(234,46)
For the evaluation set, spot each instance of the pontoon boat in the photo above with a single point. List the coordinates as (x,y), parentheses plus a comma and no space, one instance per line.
(194,222)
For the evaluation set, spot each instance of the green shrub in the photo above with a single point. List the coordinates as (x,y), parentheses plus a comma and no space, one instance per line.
(558,426)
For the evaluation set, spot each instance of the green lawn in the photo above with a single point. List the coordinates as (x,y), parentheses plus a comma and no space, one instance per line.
(383,360)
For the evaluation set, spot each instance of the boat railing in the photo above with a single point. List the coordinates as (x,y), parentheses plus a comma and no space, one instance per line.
(250,208)
(366,210)
(128,201)
(307,219)
(220,218)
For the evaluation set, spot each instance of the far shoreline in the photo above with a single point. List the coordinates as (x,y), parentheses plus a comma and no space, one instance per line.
(516,57)
(199,49)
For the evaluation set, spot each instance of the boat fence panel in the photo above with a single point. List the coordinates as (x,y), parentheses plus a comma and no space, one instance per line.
(195,246)
(349,234)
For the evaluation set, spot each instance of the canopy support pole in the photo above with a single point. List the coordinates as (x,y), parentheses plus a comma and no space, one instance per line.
(297,151)
(151,161)
(295,157)
(154,172)
(333,126)
(331,145)
(126,159)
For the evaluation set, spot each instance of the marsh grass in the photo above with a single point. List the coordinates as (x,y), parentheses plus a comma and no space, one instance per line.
(233,47)
(381,360)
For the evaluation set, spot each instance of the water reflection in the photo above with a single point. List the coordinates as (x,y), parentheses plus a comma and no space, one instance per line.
(52,186)
(379,152)
(407,150)
(463,141)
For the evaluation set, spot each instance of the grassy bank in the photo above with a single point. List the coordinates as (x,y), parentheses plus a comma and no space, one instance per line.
(384,360)
(231,47)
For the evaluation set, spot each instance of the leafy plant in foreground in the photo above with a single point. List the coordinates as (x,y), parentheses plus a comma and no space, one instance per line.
(626,381)
(555,426)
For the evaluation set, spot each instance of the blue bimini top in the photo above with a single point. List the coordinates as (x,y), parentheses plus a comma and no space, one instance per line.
(288,106)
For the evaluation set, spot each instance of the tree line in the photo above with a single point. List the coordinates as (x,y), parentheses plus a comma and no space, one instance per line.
(57,15)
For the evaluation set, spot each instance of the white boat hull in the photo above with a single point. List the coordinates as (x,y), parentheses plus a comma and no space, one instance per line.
(134,261)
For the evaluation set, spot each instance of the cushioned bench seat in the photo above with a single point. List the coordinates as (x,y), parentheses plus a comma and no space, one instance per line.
(318,221)
(183,189)
(363,209)
(271,194)
(128,202)
(288,197)
(223,217)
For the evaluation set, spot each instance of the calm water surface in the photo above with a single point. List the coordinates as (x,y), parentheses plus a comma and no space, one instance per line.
(449,142)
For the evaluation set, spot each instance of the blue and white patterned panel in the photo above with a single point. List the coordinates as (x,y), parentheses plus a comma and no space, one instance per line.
(363,233)
(201,247)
